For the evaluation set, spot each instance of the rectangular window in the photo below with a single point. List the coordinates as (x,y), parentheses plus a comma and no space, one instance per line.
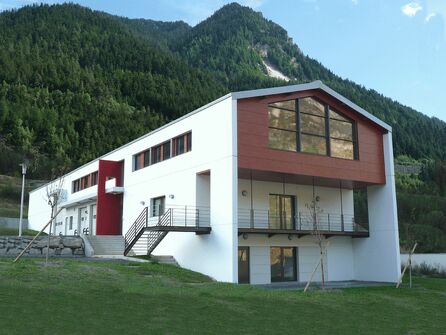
(94,178)
(146,158)
(71,223)
(156,154)
(282,126)
(166,150)
(84,182)
(281,211)
(181,144)
(157,206)
(283,264)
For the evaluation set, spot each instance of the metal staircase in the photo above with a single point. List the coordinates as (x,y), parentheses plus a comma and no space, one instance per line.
(146,233)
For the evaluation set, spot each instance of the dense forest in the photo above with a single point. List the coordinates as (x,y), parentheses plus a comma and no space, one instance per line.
(76,83)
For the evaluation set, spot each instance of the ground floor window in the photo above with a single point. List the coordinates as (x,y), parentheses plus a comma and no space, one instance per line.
(283,264)
(243,265)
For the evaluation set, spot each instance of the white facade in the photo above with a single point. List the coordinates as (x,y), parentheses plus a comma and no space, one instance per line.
(207,176)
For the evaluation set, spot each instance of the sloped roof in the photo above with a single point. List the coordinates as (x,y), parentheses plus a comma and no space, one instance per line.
(310,86)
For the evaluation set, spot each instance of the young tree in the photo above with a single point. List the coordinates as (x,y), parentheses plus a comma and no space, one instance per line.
(54,193)
(317,232)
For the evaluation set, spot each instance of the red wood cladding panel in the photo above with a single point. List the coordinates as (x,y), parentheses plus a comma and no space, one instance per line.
(254,153)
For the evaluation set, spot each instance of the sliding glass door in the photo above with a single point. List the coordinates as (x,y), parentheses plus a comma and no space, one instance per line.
(283,264)
(281,211)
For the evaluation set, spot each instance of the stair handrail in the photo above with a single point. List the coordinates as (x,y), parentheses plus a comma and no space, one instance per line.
(134,230)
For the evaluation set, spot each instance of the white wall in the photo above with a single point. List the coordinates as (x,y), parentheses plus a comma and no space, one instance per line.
(214,148)
(338,261)
(330,198)
(377,258)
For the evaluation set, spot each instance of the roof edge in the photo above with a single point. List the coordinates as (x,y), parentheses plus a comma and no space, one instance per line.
(311,86)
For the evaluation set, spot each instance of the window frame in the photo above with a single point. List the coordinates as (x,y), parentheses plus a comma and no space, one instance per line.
(327,117)
(154,210)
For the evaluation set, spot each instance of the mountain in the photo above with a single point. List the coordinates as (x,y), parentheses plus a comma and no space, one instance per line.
(70,76)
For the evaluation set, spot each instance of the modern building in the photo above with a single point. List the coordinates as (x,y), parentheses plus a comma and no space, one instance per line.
(240,188)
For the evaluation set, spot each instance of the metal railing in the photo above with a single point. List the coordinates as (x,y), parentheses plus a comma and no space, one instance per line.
(172,216)
(330,222)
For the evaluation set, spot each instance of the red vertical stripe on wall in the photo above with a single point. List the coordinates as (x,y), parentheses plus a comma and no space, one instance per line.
(109,206)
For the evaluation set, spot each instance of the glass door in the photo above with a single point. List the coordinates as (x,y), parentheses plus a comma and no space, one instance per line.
(243,265)
(281,211)
(283,264)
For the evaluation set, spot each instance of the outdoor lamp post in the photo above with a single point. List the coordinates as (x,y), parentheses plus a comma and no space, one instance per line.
(23,165)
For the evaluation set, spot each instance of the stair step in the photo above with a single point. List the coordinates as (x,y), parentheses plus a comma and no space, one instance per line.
(107,245)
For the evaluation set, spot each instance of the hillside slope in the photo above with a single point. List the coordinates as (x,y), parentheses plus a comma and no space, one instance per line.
(90,73)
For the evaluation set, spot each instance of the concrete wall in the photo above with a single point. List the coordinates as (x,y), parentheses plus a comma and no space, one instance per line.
(338,261)
(377,258)
(330,198)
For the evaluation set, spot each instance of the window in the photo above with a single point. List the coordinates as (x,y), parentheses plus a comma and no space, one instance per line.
(283,264)
(282,125)
(141,160)
(158,153)
(341,136)
(157,206)
(281,211)
(182,144)
(71,223)
(94,178)
(84,182)
(310,126)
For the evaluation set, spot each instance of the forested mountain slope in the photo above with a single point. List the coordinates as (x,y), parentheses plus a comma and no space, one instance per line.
(70,77)
(76,83)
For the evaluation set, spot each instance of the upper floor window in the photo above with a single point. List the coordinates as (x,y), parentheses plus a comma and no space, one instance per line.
(158,153)
(84,182)
(308,125)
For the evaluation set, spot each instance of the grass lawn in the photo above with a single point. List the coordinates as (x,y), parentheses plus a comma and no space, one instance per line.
(86,297)
(15,232)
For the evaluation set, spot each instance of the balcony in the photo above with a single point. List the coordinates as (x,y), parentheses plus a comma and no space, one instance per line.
(301,224)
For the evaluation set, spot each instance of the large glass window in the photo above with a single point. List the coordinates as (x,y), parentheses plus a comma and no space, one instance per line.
(282,125)
(312,127)
(341,136)
(283,264)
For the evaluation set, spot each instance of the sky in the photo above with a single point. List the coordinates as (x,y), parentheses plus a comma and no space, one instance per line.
(396,47)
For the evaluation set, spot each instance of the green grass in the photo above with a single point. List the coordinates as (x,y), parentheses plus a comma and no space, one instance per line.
(15,232)
(84,297)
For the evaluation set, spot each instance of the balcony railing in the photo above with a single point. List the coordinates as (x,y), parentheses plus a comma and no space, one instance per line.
(181,216)
(324,222)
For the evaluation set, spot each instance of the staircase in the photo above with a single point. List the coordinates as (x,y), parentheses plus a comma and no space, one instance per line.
(144,236)
(106,244)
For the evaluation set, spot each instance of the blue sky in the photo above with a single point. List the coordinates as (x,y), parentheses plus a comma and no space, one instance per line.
(396,47)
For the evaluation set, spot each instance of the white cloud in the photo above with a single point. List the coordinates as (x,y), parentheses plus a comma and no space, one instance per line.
(411,9)
(430,16)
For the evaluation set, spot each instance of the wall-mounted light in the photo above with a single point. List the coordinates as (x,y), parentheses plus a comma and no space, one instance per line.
(245,236)
(244,193)
(143,203)
(171,196)
(290,237)
(318,198)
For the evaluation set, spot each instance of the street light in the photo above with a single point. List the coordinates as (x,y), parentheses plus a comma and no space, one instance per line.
(23,165)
